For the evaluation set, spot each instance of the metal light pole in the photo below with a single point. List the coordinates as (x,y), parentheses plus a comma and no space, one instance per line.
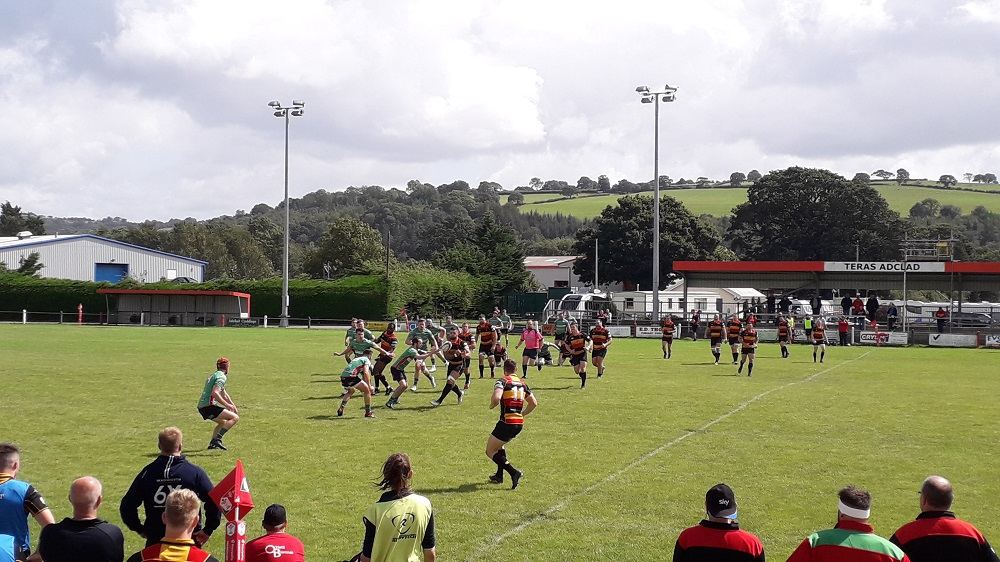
(285,112)
(666,95)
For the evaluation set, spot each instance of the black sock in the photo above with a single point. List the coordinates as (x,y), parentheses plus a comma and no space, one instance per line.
(717,355)
(222,432)
(458,391)
(500,458)
(538,366)
(467,377)
(735,356)
(822,355)
(493,371)
(583,379)
(750,369)
(343,403)
(481,368)
(524,370)
(447,388)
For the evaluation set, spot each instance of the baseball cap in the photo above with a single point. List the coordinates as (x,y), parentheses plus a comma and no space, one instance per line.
(274,515)
(720,501)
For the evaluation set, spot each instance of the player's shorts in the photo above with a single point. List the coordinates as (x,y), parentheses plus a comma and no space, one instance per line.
(506,431)
(210,412)
(668,339)
(350,382)
(505,331)
(577,359)
(486,349)
(530,353)
(809,332)
(782,339)
(819,342)
(733,341)
(599,352)
(380,366)
(748,351)
(716,342)
(397,374)
(560,339)
(498,359)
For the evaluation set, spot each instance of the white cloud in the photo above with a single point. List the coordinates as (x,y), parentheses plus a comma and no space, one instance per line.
(987,11)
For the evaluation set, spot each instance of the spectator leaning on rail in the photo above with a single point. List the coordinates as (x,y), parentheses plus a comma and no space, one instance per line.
(718,536)
(845,304)
(872,307)
(276,545)
(852,539)
(19,499)
(170,471)
(84,537)
(937,535)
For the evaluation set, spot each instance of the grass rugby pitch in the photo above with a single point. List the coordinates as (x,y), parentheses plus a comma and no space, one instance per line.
(611,473)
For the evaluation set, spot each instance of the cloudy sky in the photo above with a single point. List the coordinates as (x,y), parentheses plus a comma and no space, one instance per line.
(157,109)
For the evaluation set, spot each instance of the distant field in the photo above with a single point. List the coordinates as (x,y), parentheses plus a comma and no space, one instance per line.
(720,201)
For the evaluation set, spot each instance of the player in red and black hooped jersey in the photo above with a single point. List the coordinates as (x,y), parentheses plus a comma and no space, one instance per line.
(601,339)
(469,337)
(819,339)
(577,344)
(387,340)
(667,330)
(489,339)
(499,356)
(516,401)
(784,335)
(748,341)
(733,329)
(455,352)
(715,332)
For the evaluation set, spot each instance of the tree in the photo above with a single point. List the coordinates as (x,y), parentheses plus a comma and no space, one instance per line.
(554,185)
(862,177)
(568,190)
(586,184)
(603,184)
(928,208)
(516,198)
(950,212)
(491,252)
(269,237)
(989,178)
(665,182)
(535,184)
(625,186)
(901,176)
(30,265)
(702,181)
(809,214)
(349,246)
(882,174)
(947,180)
(753,175)
(457,185)
(736,179)
(13,221)
(625,240)
(967,176)
(979,178)
(260,209)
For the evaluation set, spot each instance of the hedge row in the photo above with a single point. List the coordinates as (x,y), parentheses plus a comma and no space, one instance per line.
(19,292)
(429,291)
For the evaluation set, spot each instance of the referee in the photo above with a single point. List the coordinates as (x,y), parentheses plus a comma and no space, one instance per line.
(170,471)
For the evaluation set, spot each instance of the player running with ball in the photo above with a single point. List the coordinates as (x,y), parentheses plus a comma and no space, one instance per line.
(602,340)
(489,340)
(577,344)
(715,331)
(455,351)
(733,330)
(515,401)
(667,329)
(748,337)
(357,376)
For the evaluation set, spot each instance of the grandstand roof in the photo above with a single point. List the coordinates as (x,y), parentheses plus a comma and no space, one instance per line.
(546,262)
(921,275)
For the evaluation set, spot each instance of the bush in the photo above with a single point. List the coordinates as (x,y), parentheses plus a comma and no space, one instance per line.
(19,292)
(426,290)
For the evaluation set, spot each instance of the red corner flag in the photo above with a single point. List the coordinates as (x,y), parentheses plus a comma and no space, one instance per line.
(232,495)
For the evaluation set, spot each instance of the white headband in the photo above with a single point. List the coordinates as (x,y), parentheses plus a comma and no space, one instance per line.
(853,511)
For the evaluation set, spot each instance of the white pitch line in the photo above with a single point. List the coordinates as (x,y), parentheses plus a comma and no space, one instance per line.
(477,554)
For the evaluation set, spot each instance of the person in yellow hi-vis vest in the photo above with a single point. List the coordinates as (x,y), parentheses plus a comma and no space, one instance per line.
(400,526)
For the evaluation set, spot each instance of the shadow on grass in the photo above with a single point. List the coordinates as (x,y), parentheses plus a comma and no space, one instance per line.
(323,397)
(461,489)
(571,387)
(185,452)
(696,364)
(330,417)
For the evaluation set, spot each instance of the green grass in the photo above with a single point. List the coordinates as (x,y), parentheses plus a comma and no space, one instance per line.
(608,476)
(720,201)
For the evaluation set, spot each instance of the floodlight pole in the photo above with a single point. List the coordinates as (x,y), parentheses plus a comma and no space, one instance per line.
(286,112)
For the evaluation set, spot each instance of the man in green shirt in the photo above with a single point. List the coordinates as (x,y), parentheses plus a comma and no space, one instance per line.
(215,404)
(357,376)
(356,325)
(505,327)
(398,369)
(430,340)
(561,329)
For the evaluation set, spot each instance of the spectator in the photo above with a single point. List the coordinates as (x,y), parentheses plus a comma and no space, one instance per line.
(770,307)
(84,537)
(718,537)
(852,539)
(276,545)
(844,329)
(937,535)
(386,538)
(817,305)
(170,471)
(845,304)
(872,307)
(180,518)
(941,315)
(891,316)
(857,306)
(807,325)
(19,499)
(785,304)
(695,323)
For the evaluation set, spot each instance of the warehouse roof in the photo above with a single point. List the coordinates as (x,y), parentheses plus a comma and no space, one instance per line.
(46,240)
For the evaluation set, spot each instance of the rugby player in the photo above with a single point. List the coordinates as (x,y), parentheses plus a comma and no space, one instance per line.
(819,340)
(469,338)
(715,331)
(695,323)
(455,352)
(489,340)
(748,338)
(544,355)
(357,324)
(357,376)
(447,327)
(602,340)
(515,401)
(505,326)
(784,335)
(733,329)
(532,340)
(398,369)
(216,404)
(360,344)
(440,334)
(499,356)
(495,320)
(578,344)
(430,341)
(667,329)
(387,340)
(561,329)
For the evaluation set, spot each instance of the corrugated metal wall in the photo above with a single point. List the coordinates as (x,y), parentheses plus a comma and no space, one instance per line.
(75,258)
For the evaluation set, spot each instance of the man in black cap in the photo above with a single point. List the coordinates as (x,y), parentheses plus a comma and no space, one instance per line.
(718,537)
(276,544)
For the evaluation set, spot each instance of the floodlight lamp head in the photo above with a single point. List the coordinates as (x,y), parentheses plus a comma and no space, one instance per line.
(274,104)
(280,113)
(668,97)
(297,113)
(647,100)
(298,103)
(642,89)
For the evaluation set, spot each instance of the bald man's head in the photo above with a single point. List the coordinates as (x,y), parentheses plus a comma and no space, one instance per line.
(937,494)
(85,495)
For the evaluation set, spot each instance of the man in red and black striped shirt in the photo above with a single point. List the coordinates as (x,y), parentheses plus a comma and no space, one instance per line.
(937,535)
(718,538)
